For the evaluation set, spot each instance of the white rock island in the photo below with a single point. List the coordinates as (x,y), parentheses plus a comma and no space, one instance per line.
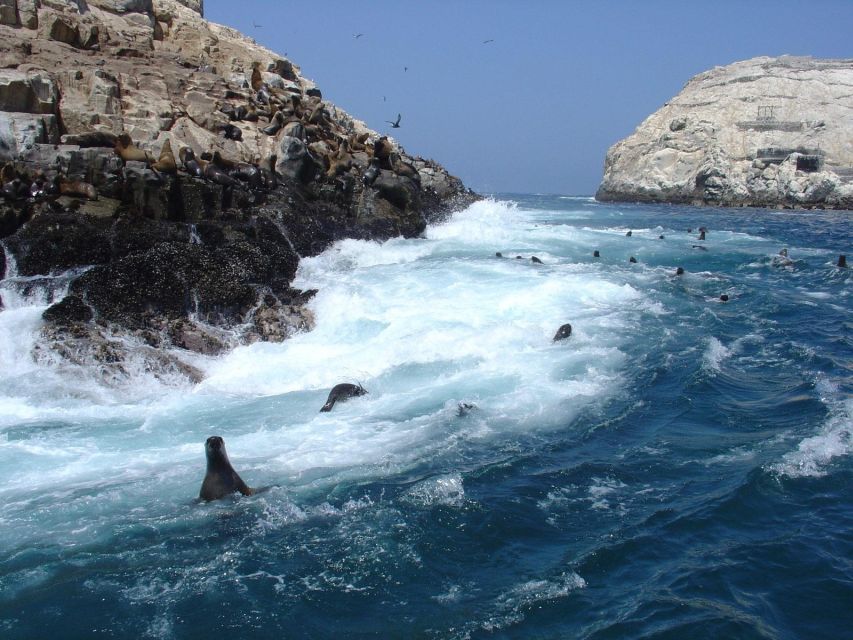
(766,132)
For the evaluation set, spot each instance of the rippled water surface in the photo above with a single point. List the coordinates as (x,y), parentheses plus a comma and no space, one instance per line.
(678,468)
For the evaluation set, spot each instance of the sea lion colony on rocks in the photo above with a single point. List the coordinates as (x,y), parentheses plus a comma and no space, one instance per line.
(181,170)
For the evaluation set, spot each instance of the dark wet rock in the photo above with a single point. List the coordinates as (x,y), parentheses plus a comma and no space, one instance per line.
(67,311)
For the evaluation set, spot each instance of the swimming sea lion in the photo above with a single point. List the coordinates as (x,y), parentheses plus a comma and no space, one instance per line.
(632,259)
(498,254)
(699,246)
(535,260)
(724,298)
(842,261)
(220,480)
(128,151)
(563,332)
(679,271)
(660,237)
(341,392)
(595,254)
(464,408)
(166,163)
(629,234)
(701,235)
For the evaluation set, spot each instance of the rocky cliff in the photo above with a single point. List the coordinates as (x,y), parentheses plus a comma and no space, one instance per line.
(767,132)
(175,172)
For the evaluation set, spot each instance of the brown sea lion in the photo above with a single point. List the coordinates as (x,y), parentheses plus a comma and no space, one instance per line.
(257,80)
(382,150)
(128,151)
(77,188)
(220,480)
(166,163)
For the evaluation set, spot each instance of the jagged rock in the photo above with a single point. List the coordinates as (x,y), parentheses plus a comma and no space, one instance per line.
(171,259)
(67,311)
(9,12)
(764,132)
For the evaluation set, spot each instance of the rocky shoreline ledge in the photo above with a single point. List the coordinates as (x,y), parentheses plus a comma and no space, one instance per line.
(174,172)
(766,132)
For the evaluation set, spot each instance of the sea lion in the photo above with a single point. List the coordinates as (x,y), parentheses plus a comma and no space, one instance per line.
(632,259)
(699,246)
(128,151)
(498,254)
(341,392)
(535,260)
(701,235)
(232,132)
(218,175)
(166,163)
(595,254)
(371,173)
(77,188)
(189,161)
(679,271)
(724,298)
(629,234)
(842,261)
(563,332)
(220,480)
(268,175)
(382,150)
(91,139)
(464,408)
(275,124)
(660,237)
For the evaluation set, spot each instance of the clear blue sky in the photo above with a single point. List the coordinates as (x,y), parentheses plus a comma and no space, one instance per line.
(536,109)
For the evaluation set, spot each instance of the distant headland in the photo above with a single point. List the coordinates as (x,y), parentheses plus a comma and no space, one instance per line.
(766,132)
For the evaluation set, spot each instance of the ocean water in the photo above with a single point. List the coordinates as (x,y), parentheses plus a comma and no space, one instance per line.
(678,468)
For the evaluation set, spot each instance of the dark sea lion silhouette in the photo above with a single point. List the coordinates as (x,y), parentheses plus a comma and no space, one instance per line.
(220,480)
(842,261)
(632,259)
(699,246)
(701,235)
(341,392)
(563,332)
(536,260)
(629,234)
(724,298)
(679,271)
(464,408)
(595,254)
(498,254)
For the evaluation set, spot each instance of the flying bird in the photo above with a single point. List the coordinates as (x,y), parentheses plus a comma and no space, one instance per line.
(357,35)
(395,125)
(405,68)
(488,41)
(256,25)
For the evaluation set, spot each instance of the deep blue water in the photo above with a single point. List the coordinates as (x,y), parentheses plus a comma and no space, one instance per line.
(678,468)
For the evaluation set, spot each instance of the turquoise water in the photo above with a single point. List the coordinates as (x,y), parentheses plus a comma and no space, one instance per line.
(678,468)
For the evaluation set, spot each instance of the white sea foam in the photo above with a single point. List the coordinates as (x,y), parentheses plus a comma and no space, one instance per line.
(715,354)
(444,490)
(814,454)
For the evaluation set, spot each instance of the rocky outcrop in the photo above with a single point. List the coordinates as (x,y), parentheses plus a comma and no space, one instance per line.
(767,132)
(178,171)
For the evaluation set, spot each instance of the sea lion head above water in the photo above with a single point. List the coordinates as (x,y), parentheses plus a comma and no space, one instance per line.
(220,480)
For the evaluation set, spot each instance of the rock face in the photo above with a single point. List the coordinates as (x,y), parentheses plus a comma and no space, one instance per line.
(774,132)
(188,233)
